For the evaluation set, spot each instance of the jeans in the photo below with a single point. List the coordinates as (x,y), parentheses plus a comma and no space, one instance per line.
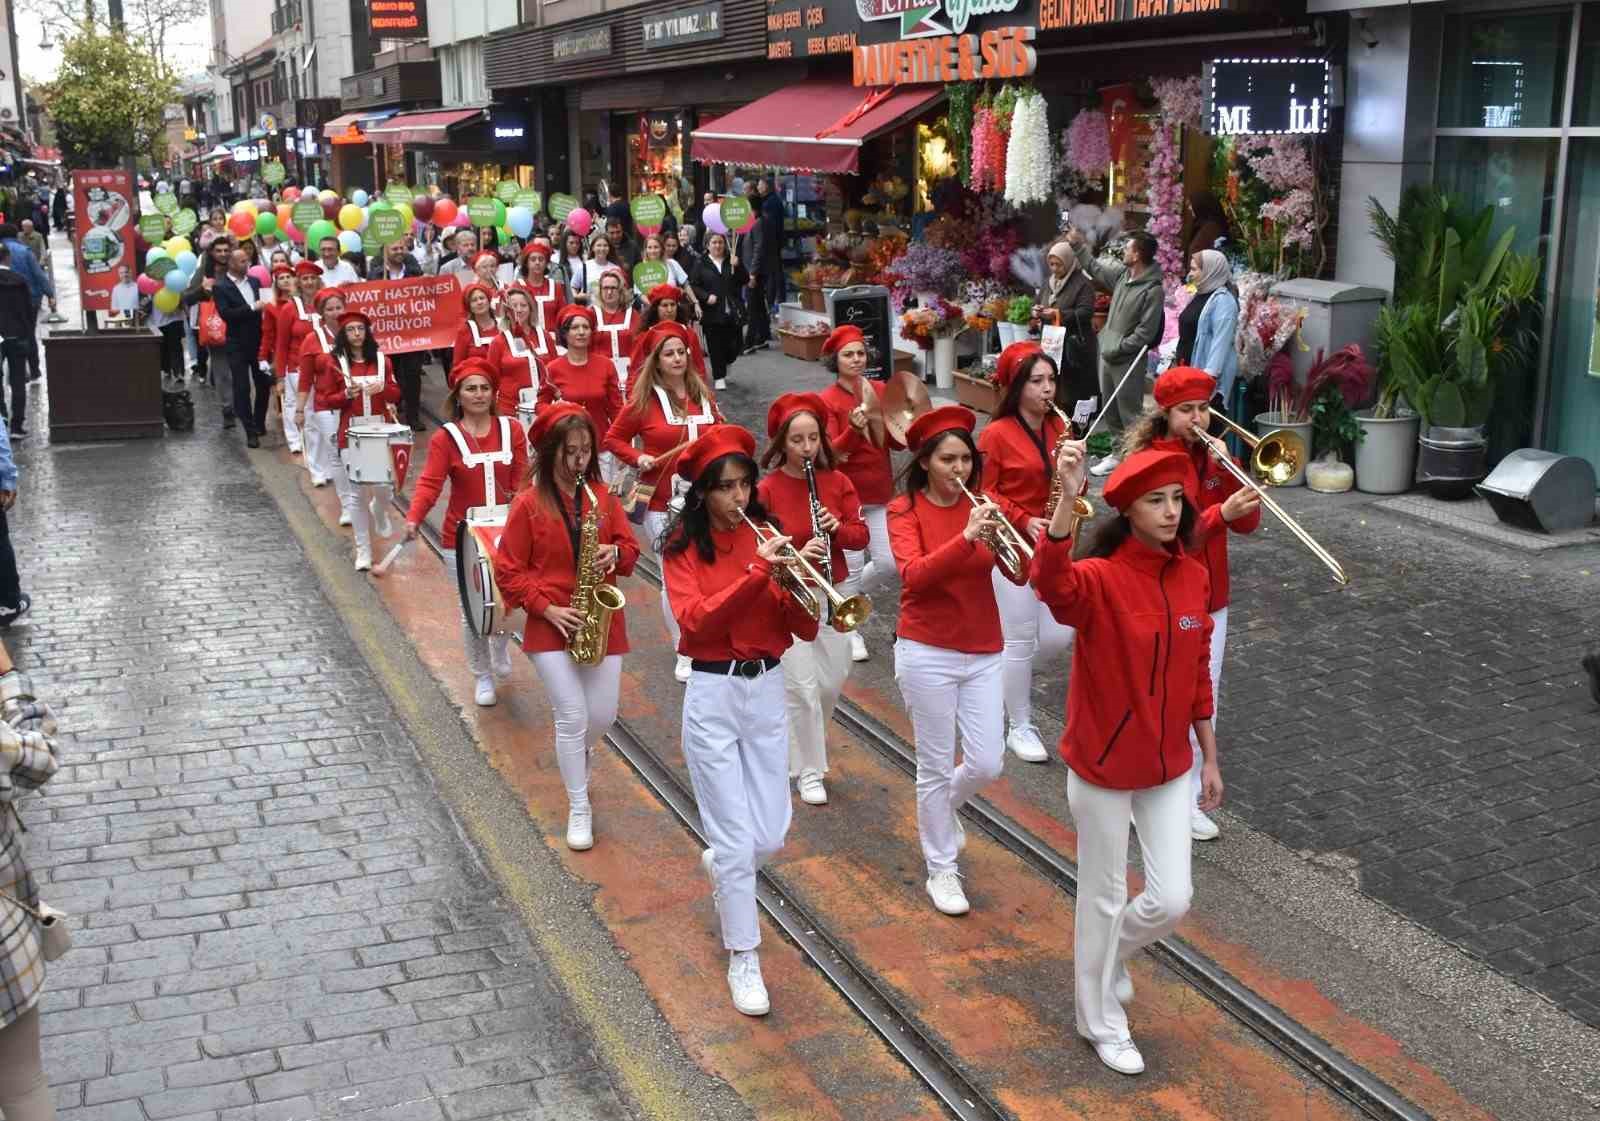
(33,343)
(246,374)
(172,349)
(15,354)
(10,583)
(585,702)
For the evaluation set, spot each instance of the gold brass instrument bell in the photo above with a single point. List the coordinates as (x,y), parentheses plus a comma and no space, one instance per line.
(1276,457)
(799,580)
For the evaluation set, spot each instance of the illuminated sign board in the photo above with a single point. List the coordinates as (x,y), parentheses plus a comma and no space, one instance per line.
(1268,96)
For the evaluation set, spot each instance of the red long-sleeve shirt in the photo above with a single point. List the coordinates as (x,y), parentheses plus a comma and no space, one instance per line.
(536,566)
(516,372)
(593,385)
(314,347)
(1208,489)
(615,332)
(866,464)
(658,436)
(1141,664)
(291,337)
(330,393)
(1017,469)
(472,341)
(732,608)
(547,304)
(467,484)
(272,322)
(946,597)
(789,500)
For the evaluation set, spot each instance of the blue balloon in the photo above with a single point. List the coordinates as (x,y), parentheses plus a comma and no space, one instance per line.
(155,254)
(519,220)
(186,261)
(350,241)
(177,280)
(359,197)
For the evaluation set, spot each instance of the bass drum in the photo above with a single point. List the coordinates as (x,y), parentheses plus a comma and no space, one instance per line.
(477,547)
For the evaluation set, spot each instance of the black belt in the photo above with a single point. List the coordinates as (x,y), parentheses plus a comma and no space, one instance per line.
(750,668)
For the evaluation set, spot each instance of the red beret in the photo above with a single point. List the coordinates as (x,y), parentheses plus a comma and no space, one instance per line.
(946,418)
(308,268)
(548,415)
(350,317)
(282,270)
(516,288)
(1012,360)
(325,295)
(1178,384)
(1143,472)
(648,343)
(843,337)
(575,311)
(540,246)
(791,403)
(465,368)
(466,295)
(664,292)
(487,254)
(714,443)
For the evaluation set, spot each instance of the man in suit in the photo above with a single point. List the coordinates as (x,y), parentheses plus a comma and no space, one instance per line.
(397,264)
(752,250)
(238,298)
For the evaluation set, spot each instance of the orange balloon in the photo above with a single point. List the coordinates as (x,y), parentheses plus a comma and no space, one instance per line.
(284,211)
(241,223)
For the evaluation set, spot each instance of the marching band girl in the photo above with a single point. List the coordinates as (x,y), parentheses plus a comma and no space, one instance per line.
(1140,686)
(863,451)
(549,294)
(616,324)
(296,318)
(518,353)
(736,622)
(474,336)
(667,303)
(1183,408)
(1018,465)
(539,551)
(580,376)
(317,344)
(273,310)
(947,650)
(484,456)
(813,672)
(669,406)
(355,380)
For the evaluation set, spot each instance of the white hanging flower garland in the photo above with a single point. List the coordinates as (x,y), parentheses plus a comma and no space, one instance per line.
(1028,155)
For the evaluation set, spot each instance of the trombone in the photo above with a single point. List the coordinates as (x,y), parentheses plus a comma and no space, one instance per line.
(1276,457)
(1011,549)
(1219,452)
(847,613)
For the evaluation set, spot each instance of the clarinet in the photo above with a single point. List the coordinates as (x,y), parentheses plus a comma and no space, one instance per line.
(816,522)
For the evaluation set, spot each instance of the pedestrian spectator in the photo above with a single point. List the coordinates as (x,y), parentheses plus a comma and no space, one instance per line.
(1135,321)
(58,209)
(14,602)
(16,323)
(335,269)
(751,251)
(238,299)
(772,217)
(35,241)
(1210,222)
(397,264)
(210,362)
(216,226)
(572,269)
(717,281)
(40,288)
(463,247)
(1066,299)
(1207,324)
(624,251)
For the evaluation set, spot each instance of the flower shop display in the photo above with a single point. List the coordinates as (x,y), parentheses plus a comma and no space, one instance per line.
(922,269)
(1028,155)
(1272,192)
(923,325)
(1180,103)
(803,340)
(1085,156)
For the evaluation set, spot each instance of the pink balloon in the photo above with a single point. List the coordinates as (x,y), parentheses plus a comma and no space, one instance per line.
(147,284)
(462,220)
(580,222)
(261,274)
(711,216)
(293,232)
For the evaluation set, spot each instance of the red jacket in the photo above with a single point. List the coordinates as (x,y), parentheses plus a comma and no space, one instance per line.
(1016,470)
(330,395)
(467,484)
(516,373)
(536,565)
(314,347)
(1141,663)
(273,321)
(1208,490)
(789,500)
(470,345)
(732,608)
(866,464)
(291,338)
(613,337)
(593,385)
(658,436)
(946,597)
(547,304)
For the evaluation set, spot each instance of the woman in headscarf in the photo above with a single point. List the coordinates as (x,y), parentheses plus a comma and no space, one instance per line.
(1210,222)
(1206,326)
(1066,299)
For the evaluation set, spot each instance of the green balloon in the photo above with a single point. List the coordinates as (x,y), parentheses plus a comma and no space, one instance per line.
(274,173)
(266,223)
(481,212)
(318,230)
(160,267)
(153,226)
(371,243)
(561,205)
(398,193)
(166,202)
(499,213)
(527,196)
(506,190)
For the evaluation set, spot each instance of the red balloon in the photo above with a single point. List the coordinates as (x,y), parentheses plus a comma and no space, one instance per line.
(422,208)
(330,208)
(241,224)
(148,284)
(444,212)
(291,194)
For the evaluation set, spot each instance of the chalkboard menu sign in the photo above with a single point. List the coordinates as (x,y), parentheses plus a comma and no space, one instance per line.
(867,306)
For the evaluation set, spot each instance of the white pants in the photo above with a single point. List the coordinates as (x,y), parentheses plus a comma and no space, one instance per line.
(1109,929)
(1031,633)
(325,458)
(946,690)
(736,742)
(655,521)
(291,395)
(475,645)
(585,702)
(877,561)
(813,676)
(1219,637)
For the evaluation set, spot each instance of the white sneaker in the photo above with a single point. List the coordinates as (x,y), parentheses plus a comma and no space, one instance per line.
(1201,827)
(294,449)
(580,828)
(485,694)
(858,647)
(1121,1056)
(812,792)
(1023,742)
(684,668)
(1100,470)
(944,888)
(500,656)
(1122,985)
(344,519)
(363,558)
(745,983)
(720,383)
(319,481)
(380,517)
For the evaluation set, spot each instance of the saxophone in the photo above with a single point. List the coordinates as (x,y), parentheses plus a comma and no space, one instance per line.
(1082,508)
(591,595)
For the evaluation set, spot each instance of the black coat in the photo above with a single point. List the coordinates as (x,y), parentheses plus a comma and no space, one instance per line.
(376,270)
(244,321)
(16,306)
(726,284)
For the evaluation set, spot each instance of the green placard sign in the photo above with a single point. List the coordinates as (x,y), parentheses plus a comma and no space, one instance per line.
(506,190)
(371,243)
(153,227)
(527,196)
(386,225)
(735,213)
(274,173)
(156,269)
(562,205)
(398,193)
(184,221)
(647,274)
(167,202)
(306,212)
(481,212)
(648,212)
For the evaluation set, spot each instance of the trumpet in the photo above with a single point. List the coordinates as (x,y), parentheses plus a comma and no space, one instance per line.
(1274,458)
(1011,550)
(848,613)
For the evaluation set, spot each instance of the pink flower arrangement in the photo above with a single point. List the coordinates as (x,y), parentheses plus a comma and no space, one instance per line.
(1294,217)
(1265,325)
(1283,163)
(1088,145)
(988,151)
(1166,202)
(1182,100)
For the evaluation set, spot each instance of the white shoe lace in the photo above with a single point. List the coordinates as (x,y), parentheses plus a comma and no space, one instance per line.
(947,883)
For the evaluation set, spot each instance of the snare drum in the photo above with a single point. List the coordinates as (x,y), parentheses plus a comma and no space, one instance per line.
(477,547)
(377,453)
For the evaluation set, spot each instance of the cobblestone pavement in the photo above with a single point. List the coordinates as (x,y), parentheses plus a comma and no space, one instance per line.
(276,921)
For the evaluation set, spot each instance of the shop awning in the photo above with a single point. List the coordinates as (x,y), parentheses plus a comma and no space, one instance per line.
(816,125)
(350,128)
(431,127)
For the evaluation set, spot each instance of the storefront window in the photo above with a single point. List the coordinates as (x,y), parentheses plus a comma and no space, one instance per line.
(1504,70)
(1575,352)
(1514,175)
(1586,107)
(655,158)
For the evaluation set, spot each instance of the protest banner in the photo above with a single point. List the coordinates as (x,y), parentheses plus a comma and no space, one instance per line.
(418,313)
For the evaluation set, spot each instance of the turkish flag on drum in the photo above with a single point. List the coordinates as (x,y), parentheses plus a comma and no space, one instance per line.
(400,456)
(418,313)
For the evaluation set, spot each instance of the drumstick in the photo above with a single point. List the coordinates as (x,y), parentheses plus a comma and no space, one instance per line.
(1143,350)
(388,558)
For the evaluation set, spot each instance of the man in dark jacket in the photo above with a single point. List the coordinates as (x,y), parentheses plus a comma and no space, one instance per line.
(16,327)
(398,264)
(238,298)
(753,253)
(771,211)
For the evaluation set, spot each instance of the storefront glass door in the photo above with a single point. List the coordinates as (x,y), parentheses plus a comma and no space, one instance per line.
(1575,354)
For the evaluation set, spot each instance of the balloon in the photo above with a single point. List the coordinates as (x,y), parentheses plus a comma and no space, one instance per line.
(177,245)
(155,254)
(328,194)
(350,241)
(291,194)
(580,222)
(444,212)
(148,285)
(520,220)
(499,213)
(241,223)
(261,274)
(711,217)
(463,220)
(330,208)
(293,232)
(166,299)
(349,216)
(266,223)
(284,211)
(245,206)
(319,231)
(186,261)
(422,207)
(406,213)
(359,197)
(176,280)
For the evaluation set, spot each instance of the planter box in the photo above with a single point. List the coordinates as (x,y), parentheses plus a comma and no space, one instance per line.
(105,386)
(812,299)
(805,347)
(978,394)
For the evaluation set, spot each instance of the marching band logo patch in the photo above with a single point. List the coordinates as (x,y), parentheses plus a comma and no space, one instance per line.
(1189,623)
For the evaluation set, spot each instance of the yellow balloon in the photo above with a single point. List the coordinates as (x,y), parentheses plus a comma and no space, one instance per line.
(245,206)
(349,216)
(176,245)
(167,300)
(328,194)
(405,213)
